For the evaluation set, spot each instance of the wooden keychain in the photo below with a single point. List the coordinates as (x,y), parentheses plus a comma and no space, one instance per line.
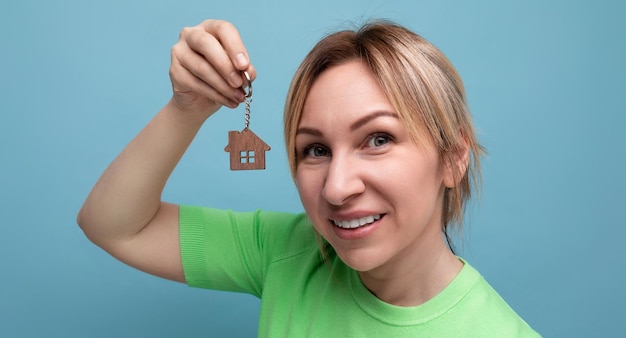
(247,150)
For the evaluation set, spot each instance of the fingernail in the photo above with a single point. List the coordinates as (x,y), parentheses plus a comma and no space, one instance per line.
(235,79)
(240,96)
(242,60)
(232,104)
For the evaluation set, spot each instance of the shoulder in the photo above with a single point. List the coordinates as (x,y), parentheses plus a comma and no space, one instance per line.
(284,234)
(274,233)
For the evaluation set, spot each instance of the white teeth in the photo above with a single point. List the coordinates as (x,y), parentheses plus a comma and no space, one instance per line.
(355,223)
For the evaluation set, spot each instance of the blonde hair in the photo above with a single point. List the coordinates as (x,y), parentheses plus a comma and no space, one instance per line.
(422,86)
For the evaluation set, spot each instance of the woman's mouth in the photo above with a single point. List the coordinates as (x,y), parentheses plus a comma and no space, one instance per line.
(356,223)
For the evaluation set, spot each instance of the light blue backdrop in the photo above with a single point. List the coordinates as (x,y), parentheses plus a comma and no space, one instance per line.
(80,78)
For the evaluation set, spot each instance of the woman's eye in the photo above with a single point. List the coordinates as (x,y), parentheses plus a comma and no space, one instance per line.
(378,140)
(316,151)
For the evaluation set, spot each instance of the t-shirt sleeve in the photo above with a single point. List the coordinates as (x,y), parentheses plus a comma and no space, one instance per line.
(230,251)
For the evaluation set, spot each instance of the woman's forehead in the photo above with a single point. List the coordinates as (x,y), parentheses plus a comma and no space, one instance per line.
(345,88)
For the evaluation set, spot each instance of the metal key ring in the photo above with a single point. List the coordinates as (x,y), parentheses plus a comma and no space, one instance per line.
(247,93)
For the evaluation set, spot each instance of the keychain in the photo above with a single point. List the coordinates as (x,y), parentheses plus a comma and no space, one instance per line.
(247,150)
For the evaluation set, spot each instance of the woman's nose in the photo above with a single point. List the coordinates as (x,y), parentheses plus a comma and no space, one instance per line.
(343,180)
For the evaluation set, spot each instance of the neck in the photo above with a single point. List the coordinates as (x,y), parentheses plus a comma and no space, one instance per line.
(417,278)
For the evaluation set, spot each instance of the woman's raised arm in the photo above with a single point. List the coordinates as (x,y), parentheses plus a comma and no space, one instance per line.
(124,213)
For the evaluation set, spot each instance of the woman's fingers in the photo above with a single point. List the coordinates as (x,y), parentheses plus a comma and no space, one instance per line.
(228,36)
(189,87)
(205,71)
(207,64)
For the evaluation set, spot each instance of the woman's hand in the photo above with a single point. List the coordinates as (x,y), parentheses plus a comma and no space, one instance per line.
(206,68)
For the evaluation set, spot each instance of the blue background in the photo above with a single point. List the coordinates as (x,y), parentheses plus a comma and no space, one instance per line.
(80,78)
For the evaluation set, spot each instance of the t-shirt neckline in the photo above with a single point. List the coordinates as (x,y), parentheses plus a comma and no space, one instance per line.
(413,315)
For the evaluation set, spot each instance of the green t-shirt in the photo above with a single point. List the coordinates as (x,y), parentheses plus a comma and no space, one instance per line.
(275,256)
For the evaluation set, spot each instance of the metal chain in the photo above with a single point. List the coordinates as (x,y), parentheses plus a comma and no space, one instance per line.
(247,89)
(246,115)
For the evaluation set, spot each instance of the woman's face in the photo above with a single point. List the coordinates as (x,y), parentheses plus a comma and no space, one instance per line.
(370,191)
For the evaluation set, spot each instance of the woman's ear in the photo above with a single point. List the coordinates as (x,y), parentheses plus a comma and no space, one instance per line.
(456,164)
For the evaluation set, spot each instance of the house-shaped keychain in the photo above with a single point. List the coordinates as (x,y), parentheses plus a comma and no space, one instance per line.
(247,150)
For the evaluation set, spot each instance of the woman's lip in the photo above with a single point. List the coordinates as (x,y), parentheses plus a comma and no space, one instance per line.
(351,234)
(346,216)
(356,222)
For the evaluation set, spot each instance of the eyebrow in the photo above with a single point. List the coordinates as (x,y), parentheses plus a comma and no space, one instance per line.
(354,126)
(367,118)
(310,131)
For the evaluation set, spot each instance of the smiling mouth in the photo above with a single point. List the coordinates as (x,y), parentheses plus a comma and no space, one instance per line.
(355,223)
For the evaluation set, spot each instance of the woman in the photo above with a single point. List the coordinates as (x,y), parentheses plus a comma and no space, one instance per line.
(384,156)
